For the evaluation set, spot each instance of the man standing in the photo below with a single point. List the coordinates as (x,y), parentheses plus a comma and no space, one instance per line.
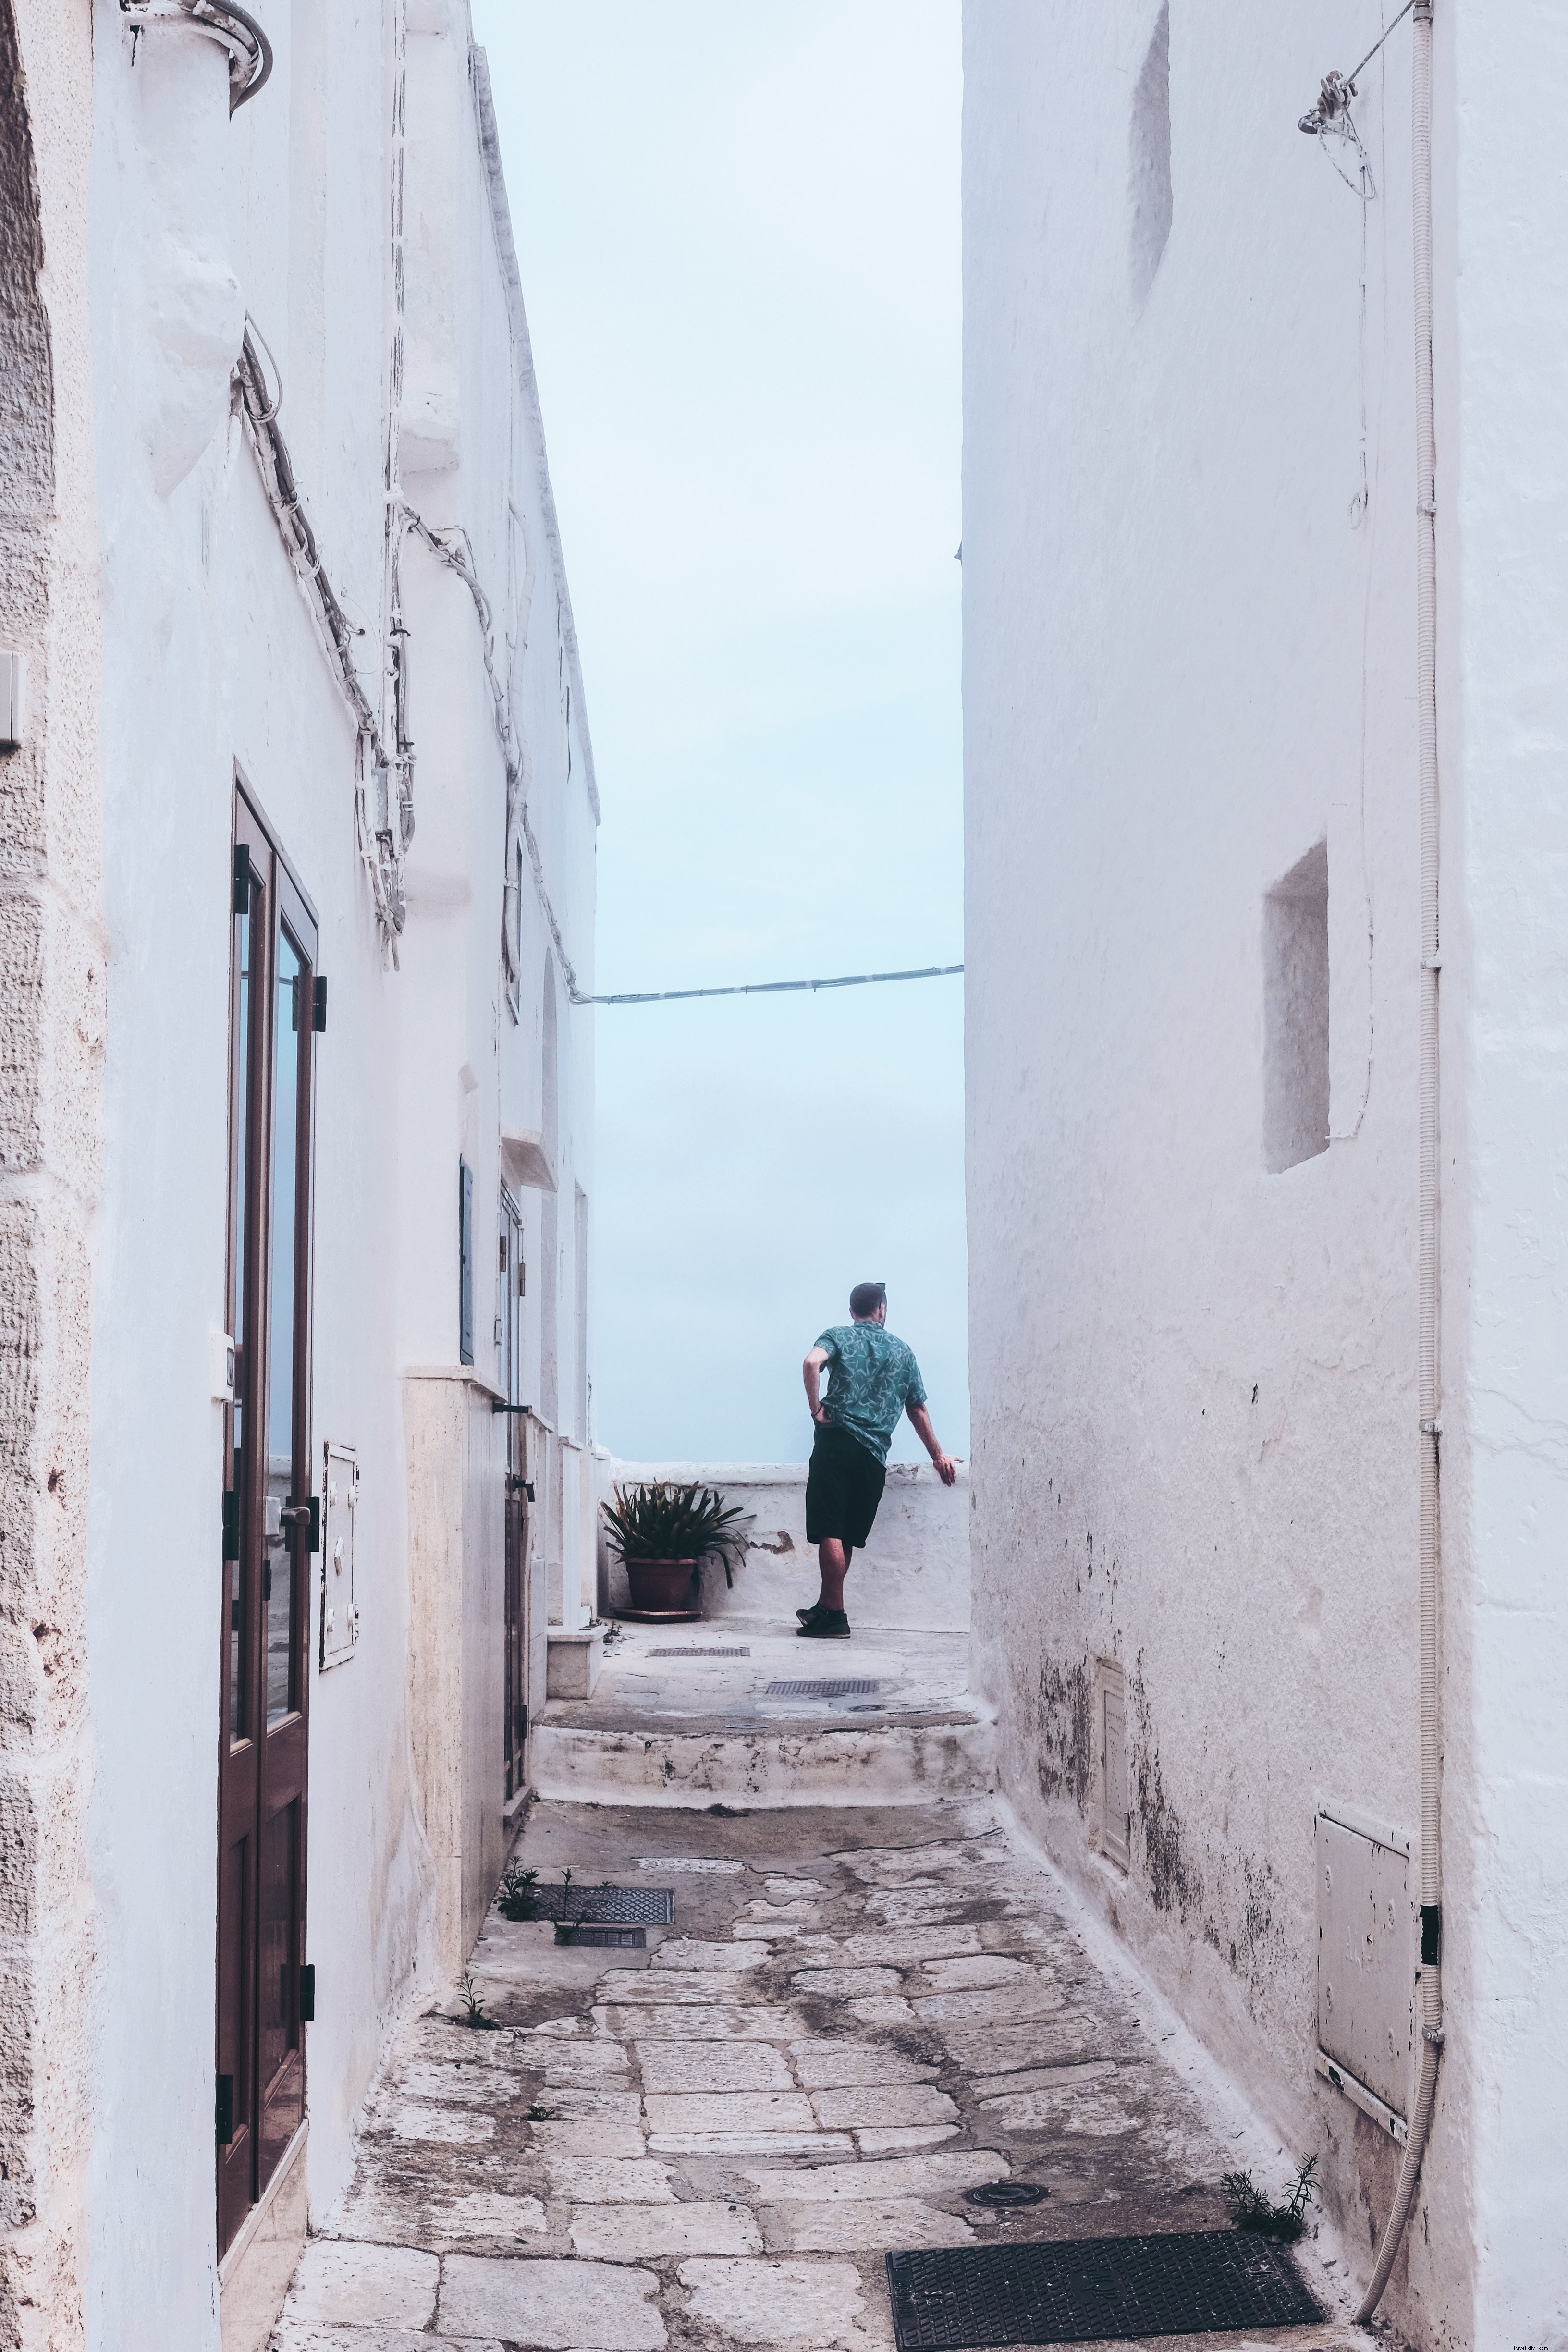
(873,1378)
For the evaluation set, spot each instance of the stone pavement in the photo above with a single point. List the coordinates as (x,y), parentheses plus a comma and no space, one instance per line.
(855,2017)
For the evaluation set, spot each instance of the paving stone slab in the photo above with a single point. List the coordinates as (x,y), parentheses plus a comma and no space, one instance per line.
(1008,2004)
(305,2336)
(685,1952)
(971,1974)
(843,1984)
(990,2087)
(834,2066)
(436,2078)
(704,1985)
(882,2141)
(894,1949)
(457,2127)
(743,2143)
(861,2225)
(591,2137)
(642,2233)
(777,2302)
(1072,2039)
(734,2111)
(864,2105)
(717,2021)
(596,2180)
(558,2307)
(712,2066)
(943,2174)
(348,2283)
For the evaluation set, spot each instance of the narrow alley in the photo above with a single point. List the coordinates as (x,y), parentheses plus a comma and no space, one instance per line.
(855,2020)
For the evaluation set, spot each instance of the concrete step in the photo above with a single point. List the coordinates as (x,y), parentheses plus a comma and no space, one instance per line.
(895,1762)
(692,1716)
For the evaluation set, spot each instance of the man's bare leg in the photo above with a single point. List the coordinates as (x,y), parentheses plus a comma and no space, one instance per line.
(833,1560)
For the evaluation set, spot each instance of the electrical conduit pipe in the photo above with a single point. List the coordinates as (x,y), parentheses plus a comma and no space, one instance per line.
(1427,1382)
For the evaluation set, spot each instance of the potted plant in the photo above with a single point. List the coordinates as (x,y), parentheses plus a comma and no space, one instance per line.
(664,1532)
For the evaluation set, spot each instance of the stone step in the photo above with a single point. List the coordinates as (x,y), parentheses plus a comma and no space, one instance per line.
(930,1759)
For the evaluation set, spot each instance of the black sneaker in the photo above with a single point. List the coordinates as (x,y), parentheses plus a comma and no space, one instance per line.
(827,1625)
(806,1615)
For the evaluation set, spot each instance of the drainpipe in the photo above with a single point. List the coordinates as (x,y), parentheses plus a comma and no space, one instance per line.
(1428,1383)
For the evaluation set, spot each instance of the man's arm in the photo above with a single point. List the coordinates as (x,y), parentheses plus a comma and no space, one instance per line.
(946,1463)
(811,1370)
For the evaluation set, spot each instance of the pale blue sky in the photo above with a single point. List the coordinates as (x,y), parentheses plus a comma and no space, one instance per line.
(738,224)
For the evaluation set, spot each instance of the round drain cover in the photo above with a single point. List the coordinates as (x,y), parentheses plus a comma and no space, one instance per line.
(1004,2193)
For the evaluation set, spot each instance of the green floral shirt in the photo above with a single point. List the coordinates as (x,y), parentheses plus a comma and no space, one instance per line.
(871,1377)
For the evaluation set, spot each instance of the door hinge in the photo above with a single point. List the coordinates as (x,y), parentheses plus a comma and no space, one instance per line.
(308,1994)
(231,1523)
(307,1514)
(318,1002)
(241,877)
(223,2115)
(496,1406)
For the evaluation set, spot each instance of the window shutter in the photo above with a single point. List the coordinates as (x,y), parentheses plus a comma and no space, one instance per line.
(464,1263)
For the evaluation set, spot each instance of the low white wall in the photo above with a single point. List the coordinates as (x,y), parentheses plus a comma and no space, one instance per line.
(913,1574)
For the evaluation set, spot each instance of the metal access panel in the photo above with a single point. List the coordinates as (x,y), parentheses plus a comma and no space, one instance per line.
(339,1608)
(1369,1959)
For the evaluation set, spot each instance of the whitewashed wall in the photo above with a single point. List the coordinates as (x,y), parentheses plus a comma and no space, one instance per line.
(913,1573)
(185,220)
(1190,659)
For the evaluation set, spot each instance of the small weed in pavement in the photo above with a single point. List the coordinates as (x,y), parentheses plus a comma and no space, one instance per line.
(474,2012)
(1250,2210)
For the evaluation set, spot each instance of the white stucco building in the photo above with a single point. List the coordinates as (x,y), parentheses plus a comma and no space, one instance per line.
(1196,528)
(296,932)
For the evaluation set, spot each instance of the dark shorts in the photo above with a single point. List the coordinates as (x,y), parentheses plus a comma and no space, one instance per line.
(843,1488)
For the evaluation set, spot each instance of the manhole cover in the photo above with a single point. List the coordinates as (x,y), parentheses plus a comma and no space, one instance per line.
(1076,2290)
(1004,2193)
(643,1907)
(700,1654)
(630,1939)
(822,1690)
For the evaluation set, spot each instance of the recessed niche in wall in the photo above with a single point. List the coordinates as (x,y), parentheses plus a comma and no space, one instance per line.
(1149,173)
(1295,1014)
(1111,1827)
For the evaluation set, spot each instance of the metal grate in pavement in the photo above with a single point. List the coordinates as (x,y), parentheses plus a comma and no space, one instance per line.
(630,1939)
(1080,2289)
(643,1907)
(700,1654)
(822,1690)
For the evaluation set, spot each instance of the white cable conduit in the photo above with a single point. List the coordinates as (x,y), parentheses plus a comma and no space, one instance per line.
(1430,1201)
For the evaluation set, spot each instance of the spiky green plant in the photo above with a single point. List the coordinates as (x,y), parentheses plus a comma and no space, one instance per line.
(516,1898)
(655,1518)
(1251,2210)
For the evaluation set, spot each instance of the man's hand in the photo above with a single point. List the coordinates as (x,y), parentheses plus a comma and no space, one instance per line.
(811,1372)
(945,1466)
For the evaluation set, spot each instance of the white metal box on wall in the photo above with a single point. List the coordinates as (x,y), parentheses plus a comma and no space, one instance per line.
(340,1498)
(1369,1968)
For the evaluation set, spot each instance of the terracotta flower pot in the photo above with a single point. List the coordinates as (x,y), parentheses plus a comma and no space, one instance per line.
(661,1584)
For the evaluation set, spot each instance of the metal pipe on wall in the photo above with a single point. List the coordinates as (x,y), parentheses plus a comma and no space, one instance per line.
(1430,1197)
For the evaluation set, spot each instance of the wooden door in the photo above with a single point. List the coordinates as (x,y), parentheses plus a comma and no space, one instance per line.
(509,1337)
(270,1527)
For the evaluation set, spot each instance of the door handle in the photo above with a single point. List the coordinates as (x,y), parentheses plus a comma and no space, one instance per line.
(305,1515)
